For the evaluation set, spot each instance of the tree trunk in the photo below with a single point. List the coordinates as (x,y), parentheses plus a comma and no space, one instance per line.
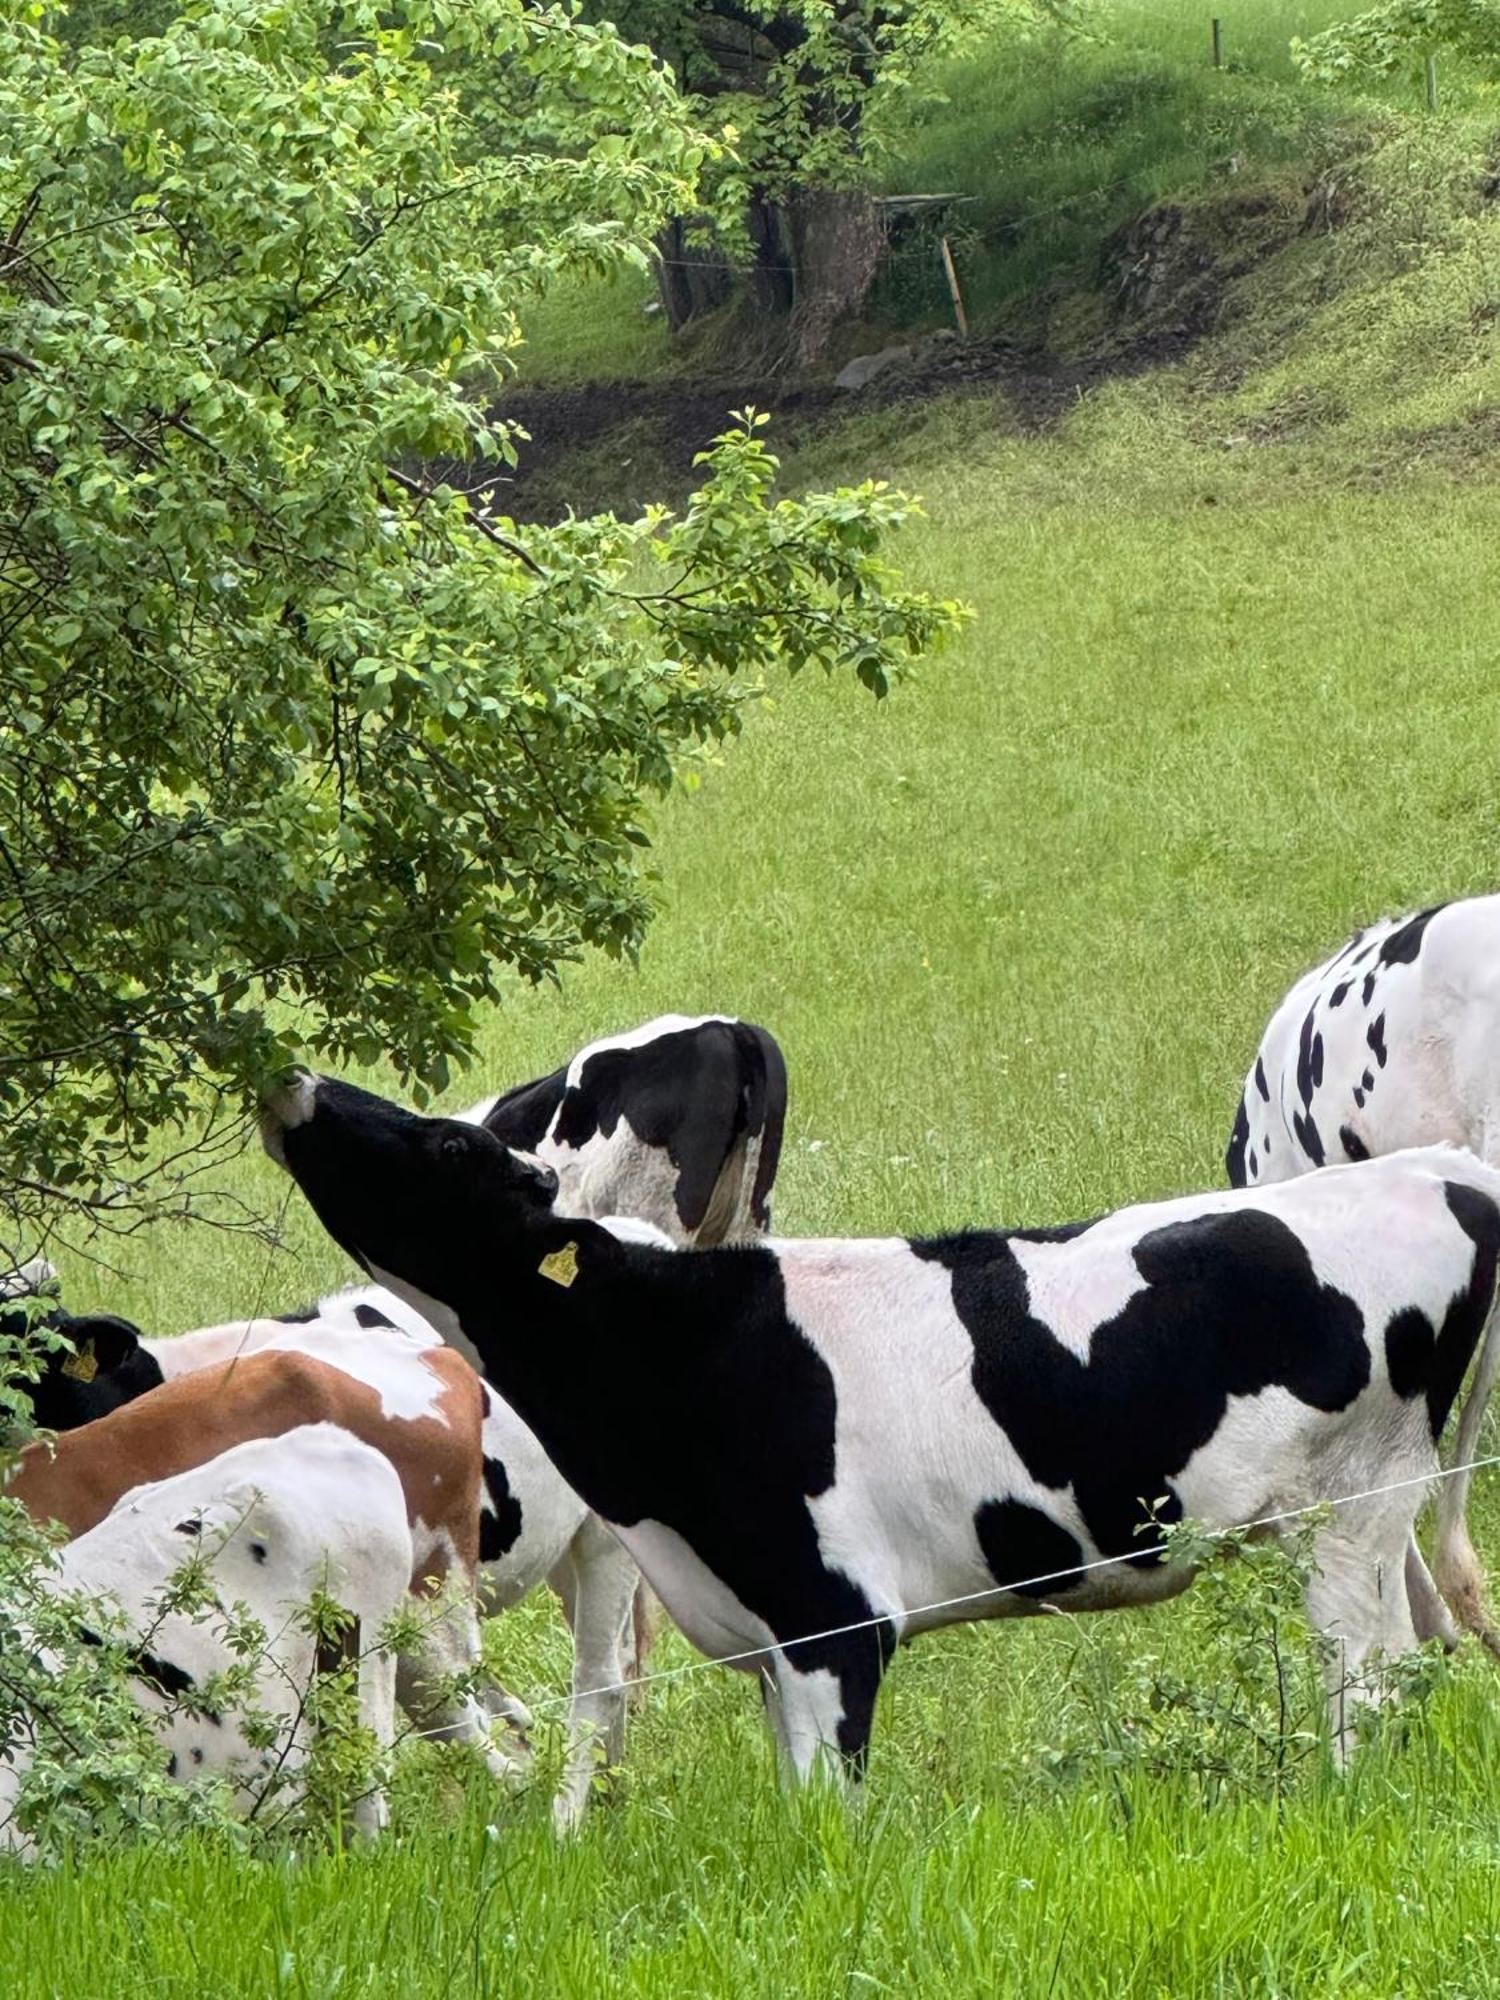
(816,256)
(693,276)
(837,243)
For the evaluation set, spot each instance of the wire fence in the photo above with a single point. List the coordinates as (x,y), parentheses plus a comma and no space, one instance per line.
(1021,1586)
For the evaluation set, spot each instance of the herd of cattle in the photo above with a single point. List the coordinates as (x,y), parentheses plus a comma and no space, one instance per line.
(580,1358)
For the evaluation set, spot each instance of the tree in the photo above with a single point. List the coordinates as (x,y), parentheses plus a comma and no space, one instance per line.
(1378,41)
(285,715)
(802,87)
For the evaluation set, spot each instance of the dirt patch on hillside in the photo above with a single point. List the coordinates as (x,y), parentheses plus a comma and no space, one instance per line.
(1166,282)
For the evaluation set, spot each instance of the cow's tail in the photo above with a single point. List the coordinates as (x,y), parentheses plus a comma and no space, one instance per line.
(759,1120)
(1457,1571)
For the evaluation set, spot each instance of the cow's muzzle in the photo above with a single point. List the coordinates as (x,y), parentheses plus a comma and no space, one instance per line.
(284,1108)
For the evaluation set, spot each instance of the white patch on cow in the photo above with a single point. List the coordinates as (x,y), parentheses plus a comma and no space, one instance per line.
(1072,1293)
(442,1319)
(339,1309)
(903,1543)
(285,1110)
(631,1229)
(388,1360)
(805,1710)
(707,1610)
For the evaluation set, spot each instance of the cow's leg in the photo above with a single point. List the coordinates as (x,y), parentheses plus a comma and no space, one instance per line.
(377,1713)
(596,1581)
(821,1715)
(1357,1598)
(1430,1616)
(450,1648)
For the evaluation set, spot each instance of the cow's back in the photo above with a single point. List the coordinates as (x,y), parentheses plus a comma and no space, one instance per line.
(1392,1042)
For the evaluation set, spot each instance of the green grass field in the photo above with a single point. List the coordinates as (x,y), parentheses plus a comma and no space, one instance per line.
(1228,693)
(1017,930)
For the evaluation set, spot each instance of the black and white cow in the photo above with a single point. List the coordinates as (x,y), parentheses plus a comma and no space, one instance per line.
(279,1519)
(102,1366)
(816,1450)
(1392,1042)
(677,1122)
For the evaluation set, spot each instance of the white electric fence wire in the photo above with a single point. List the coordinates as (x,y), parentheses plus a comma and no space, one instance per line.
(784,1646)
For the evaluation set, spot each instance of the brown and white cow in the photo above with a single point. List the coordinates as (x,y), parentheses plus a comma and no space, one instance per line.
(421,1407)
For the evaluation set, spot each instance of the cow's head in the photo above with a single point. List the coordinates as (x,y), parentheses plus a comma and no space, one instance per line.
(424,1201)
(102,1366)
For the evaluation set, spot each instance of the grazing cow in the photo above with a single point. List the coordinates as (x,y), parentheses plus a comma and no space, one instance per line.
(421,1407)
(815,1450)
(532,1525)
(677,1122)
(1392,1042)
(279,1519)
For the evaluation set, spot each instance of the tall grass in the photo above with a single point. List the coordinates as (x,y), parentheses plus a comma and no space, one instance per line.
(1054,141)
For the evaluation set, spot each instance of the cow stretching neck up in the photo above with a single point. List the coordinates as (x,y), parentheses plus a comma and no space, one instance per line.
(814,1448)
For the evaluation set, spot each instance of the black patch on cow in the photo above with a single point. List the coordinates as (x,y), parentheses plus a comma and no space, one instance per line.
(1359,1098)
(1367,1081)
(724,1438)
(523,1116)
(1340,993)
(1254,1165)
(1354,1147)
(167,1678)
(1231,1306)
(1052,1232)
(196,1754)
(300,1317)
(1309,1058)
(1375,1036)
(1402,946)
(191,1526)
(370,1317)
(172,1765)
(1464,1321)
(1265,1145)
(1409,1341)
(1368,991)
(259,1551)
(1260,1080)
(499,1514)
(1021,1543)
(1234,1152)
(1308,1137)
(1422,1360)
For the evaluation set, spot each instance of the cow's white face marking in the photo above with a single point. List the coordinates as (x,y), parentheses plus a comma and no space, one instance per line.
(285,1109)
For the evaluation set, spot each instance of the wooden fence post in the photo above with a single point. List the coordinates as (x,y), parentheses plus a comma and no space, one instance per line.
(954,293)
(1218,32)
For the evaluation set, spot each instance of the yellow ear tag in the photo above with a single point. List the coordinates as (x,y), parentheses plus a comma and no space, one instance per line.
(82,1366)
(561,1266)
